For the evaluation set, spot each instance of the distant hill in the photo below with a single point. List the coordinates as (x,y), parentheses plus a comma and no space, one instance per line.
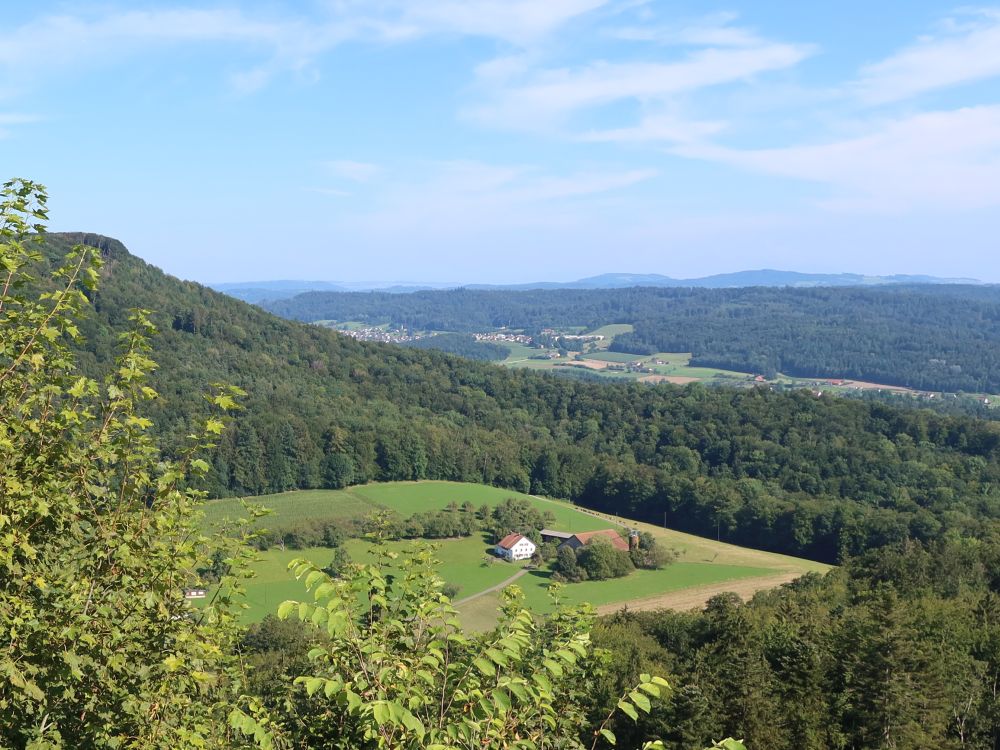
(763,277)
(265,291)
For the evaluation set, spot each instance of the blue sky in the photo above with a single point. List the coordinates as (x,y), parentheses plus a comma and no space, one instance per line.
(513,140)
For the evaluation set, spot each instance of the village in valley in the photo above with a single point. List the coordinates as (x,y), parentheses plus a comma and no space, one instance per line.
(589,354)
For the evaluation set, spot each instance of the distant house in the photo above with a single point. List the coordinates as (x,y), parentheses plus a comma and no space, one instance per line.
(515,547)
(549,535)
(578,540)
(195,593)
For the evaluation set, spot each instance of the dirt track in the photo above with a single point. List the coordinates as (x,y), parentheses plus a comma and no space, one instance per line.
(696,598)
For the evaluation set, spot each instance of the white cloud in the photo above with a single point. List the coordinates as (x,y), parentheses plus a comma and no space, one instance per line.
(57,42)
(965,52)
(659,127)
(548,97)
(711,31)
(937,161)
(285,43)
(9,119)
(356,171)
(470,197)
(515,21)
(333,192)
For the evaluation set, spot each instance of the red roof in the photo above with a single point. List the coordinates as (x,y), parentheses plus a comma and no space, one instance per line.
(610,534)
(510,540)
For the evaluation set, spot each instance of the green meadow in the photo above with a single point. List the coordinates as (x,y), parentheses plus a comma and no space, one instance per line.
(467,562)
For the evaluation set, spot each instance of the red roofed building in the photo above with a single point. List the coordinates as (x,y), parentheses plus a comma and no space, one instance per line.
(610,535)
(515,547)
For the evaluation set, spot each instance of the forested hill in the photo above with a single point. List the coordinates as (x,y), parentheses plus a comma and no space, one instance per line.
(793,473)
(922,336)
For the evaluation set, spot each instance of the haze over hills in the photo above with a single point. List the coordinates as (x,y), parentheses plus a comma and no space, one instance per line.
(262,291)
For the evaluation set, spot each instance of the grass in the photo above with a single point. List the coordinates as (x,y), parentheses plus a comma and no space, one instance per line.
(613,357)
(406,498)
(637,585)
(466,562)
(462,562)
(610,331)
(289,507)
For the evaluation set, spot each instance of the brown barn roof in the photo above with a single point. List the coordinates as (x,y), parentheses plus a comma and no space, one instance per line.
(610,534)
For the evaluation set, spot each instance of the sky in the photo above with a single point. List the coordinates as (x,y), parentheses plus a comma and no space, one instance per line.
(503,141)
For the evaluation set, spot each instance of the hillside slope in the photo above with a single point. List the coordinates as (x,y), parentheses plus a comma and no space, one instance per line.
(789,473)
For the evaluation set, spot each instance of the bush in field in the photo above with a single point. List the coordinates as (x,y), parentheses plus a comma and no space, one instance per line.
(601,560)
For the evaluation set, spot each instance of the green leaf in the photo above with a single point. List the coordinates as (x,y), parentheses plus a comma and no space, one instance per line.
(609,736)
(639,700)
(485,666)
(285,609)
(628,709)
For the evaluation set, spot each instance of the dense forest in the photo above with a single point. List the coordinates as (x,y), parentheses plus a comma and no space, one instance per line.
(896,649)
(463,345)
(936,337)
(823,478)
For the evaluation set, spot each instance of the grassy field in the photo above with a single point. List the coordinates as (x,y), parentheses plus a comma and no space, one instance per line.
(609,332)
(613,357)
(467,563)
(406,498)
(676,364)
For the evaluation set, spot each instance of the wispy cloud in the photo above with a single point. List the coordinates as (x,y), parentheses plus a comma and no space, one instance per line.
(356,171)
(966,50)
(12,119)
(517,21)
(662,128)
(938,161)
(547,98)
(716,30)
(470,197)
(285,43)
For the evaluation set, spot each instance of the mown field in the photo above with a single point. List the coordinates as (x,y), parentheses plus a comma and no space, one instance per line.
(467,562)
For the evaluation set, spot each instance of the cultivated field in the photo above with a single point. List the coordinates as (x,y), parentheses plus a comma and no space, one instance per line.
(702,565)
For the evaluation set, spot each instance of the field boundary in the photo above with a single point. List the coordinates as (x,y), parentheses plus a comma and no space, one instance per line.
(697,597)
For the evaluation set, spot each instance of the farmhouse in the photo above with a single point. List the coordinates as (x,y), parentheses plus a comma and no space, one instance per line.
(195,593)
(515,547)
(578,540)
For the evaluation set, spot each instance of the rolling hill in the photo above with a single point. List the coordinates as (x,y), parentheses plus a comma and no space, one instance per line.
(789,473)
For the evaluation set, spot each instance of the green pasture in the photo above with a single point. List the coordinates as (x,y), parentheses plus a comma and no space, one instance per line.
(609,332)
(637,585)
(467,563)
(614,357)
(518,352)
(405,498)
